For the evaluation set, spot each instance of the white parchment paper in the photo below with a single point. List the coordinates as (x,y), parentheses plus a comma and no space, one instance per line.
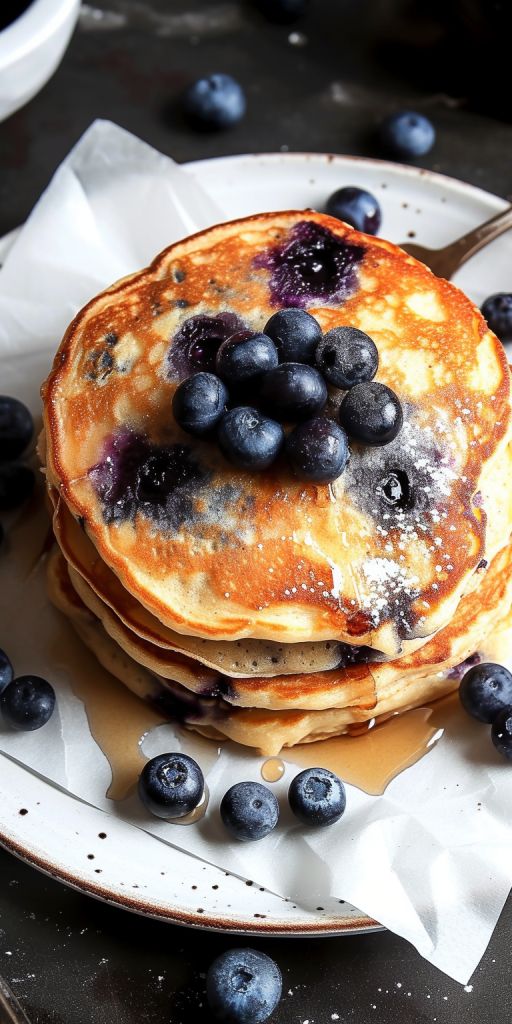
(431,858)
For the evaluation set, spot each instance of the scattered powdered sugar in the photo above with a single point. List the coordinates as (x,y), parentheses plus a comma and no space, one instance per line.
(386,582)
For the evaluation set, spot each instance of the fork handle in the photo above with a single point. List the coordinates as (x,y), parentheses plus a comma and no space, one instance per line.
(452,256)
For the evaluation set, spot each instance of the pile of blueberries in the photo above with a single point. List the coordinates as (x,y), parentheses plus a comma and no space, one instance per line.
(16,431)
(281,376)
(27,702)
(486,694)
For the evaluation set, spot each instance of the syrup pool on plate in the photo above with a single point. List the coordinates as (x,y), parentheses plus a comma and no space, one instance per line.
(378,753)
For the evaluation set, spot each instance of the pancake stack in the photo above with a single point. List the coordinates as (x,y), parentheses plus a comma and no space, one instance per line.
(257,606)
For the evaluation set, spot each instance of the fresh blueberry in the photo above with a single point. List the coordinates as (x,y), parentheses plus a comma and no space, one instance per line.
(317,450)
(497,310)
(317,797)
(371,413)
(171,785)
(501,732)
(347,356)
(244,358)
(16,428)
(293,391)
(356,207)
(295,334)
(215,102)
(6,672)
(249,811)
(16,485)
(243,986)
(249,440)
(283,12)
(27,703)
(485,690)
(199,402)
(407,134)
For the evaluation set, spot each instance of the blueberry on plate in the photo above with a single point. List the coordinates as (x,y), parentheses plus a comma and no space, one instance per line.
(501,732)
(485,690)
(215,102)
(171,785)
(249,440)
(199,402)
(371,413)
(347,356)
(16,428)
(6,671)
(27,703)
(244,358)
(249,811)
(243,986)
(356,207)
(497,310)
(283,12)
(16,485)
(317,797)
(407,134)
(295,334)
(317,450)
(293,391)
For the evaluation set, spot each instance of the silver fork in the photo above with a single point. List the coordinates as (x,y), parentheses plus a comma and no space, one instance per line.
(444,262)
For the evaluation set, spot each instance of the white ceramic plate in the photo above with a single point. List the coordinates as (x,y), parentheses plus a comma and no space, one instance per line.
(102,855)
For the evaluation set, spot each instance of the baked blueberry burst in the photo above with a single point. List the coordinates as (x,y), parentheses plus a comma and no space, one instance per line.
(267,394)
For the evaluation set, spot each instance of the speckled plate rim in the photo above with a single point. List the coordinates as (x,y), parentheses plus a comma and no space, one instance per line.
(23,818)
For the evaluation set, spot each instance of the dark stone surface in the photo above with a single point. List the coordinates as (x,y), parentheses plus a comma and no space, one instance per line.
(68,958)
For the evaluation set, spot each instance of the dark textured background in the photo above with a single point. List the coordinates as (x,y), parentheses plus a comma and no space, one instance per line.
(72,960)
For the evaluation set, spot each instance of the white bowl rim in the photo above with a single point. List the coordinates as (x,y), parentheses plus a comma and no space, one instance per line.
(38,23)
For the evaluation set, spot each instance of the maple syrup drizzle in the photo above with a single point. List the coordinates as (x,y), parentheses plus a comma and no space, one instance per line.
(273,769)
(371,759)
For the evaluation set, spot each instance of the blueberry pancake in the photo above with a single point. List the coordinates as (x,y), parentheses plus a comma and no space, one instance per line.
(235,658)
(408,682)
(222,553)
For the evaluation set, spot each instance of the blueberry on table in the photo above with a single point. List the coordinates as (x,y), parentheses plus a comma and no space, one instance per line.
(171,785)
(407,134)
(6,671)
(317,450)
(295,334)
(249,811)
(293,391)
(243,986)
(199,402)
(501,732)
(215,102)
(16,428)
(244,358)
(497,310)
(317,797)
(27,703)
(356,207)
(485,690)
(371,413)
(16,485)
(249,440)
(347,356)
